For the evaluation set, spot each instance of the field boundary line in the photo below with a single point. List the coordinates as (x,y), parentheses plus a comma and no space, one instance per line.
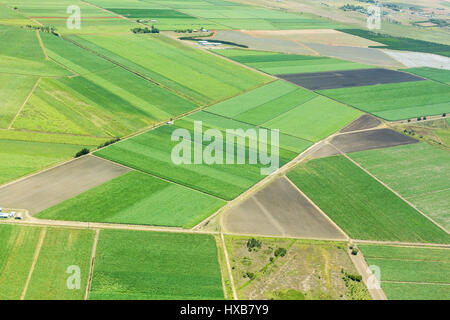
(41,43)
(136,73)
(318,208)
(403,244)
(413,260)
(417,282)
(22,14)
(35,258)
(221,264)
(25,102)
(227,261)
(91,267)
(389,188)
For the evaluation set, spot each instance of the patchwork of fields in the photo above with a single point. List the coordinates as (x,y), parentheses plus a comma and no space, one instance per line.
(400,166)
(138,265)
(45,277)
(149,201)
(38,262)
(277,63)
(398,43)
(292,110)
(151,152)
(411,273)
(396,101)
(22,54)
(217,14)
(438,75)
(360,205)
(140,101)
(191,73)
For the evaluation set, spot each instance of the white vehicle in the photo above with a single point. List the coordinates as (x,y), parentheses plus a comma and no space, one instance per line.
(4,215)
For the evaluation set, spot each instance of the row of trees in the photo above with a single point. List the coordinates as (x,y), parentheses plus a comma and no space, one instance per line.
(145,30)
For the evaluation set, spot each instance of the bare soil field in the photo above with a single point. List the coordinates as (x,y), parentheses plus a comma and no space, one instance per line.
(323,36)
(48,188)
(348,78)
(280,210)
(366,121)
(371,56)
(368,140)
(261,43)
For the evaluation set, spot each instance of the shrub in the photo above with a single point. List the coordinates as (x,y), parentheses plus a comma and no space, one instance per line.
(253,244)
(82,152)
(250,275)
(280,252)
(107,143)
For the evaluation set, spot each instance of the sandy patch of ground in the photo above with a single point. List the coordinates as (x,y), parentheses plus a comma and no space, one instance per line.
(263,43)
(323,36)
(419,59)
(370,56)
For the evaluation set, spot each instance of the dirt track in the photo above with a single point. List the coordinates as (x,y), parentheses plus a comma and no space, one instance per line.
(280,210)
(48,188)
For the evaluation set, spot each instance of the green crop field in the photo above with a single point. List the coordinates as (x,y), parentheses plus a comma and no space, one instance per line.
(411,272)
(315,119)
(400,167)
(98,105)
(151,152)
(19,158)
(440,75)
(20,53)
(217,14)
(360,205)
(137,198)
(61,248)
(292,110)
(192,73)
(277,63)
(399,43)
(139,265)
(16,258)
(396,101)
(14,89)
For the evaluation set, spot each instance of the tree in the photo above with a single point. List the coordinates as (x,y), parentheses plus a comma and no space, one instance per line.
(82,152)
(280,252)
